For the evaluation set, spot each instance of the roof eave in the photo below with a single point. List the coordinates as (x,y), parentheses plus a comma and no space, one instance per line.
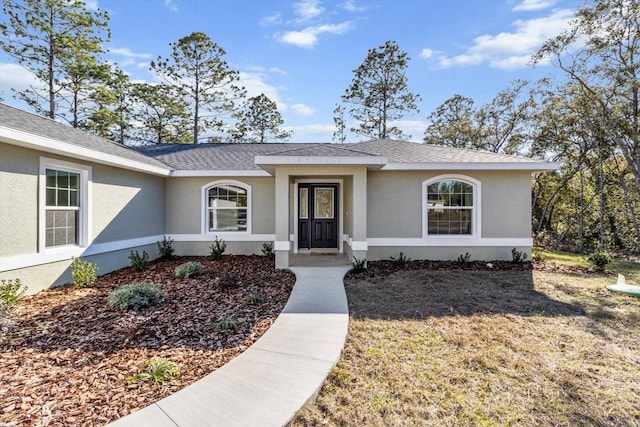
(506,166)
(30,140)
(270,162)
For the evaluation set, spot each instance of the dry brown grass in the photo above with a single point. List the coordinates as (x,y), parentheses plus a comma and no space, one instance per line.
(488,348)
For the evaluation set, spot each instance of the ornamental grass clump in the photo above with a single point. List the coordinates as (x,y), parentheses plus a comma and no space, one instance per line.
(157,370)
(135,296)
(189,269)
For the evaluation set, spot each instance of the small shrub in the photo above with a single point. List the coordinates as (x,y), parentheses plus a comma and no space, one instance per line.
(463,259)
(11,291)
(254,299)
(359,265)
(537,256)
(139,262)
(157,370)
(217,248)
(226,324)
(599,260)
(401,261)
(267,250)
(135,296)
(228,280)
(83,273)
(189,269)
(165,248)
(518,257)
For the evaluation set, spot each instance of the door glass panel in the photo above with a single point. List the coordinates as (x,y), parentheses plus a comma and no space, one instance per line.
(323,202)
(304,203)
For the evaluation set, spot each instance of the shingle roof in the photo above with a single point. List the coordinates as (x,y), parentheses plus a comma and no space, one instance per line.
(31,123)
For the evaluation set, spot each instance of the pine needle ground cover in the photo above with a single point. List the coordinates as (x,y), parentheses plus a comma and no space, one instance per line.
(70,358)
(530,347)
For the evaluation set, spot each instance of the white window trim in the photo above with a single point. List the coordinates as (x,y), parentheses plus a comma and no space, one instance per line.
(84,215)
(205,208)
(476,211)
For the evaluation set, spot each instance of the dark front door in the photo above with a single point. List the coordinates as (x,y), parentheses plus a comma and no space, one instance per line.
(317,216)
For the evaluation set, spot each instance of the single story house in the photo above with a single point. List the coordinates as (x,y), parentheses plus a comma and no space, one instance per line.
(65,193)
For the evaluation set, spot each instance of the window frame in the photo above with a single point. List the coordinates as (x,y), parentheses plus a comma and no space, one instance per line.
(476,209)
(205,207)
(84,201)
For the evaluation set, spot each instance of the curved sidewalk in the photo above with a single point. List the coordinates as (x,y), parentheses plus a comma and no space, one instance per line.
(268,383)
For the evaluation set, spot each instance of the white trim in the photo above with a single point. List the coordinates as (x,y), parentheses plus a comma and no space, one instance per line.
(476,211)
(451,241)
(49,145)
(204,207)
(279,245)
(489,166)
(215,173)
(227,236)
(86,202)
(321,160)
(359,246)
(15,262)
(340,183)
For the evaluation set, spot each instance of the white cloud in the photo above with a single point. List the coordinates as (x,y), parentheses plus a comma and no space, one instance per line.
(303,110)
(307,9)
(91,4)
(16,77)
(255,85)
(426,53)
(529,5)
(128,53)
(414,128)
(269,20)
(309,36)
(316,132)
(351,6)
(507,50)
(169,4)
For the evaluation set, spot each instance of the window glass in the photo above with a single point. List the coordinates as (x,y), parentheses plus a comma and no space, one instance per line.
(449,208)
(62,207)
(227,205)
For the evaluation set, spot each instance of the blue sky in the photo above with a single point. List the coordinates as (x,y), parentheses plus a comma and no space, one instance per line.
(302,53)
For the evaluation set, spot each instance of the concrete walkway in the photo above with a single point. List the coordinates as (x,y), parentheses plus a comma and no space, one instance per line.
(268,383)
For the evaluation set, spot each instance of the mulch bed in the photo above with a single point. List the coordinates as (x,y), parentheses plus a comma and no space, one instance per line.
(66,358)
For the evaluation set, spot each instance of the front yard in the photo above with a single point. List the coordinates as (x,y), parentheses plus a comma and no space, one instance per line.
(462,347)
(69,357)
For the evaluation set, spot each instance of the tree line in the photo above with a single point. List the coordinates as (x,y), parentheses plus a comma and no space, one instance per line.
(587,121)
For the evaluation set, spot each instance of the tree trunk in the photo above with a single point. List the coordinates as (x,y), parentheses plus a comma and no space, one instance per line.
(602,200)
(50,70)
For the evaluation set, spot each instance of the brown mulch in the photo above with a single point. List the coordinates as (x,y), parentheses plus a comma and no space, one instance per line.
(66,358)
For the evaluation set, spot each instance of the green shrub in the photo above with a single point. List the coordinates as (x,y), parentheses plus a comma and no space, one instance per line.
(518,257)
(189,269)
(11,291)
(254,299)
(165,248)
(139,262)
(267,250)
(217,248)
(599,260)
(83,273)
(463,259)
(157,370)
(225,324)
(401,261)
(359,265)
(135,296)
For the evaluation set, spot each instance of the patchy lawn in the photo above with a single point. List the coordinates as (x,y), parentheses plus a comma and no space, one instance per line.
(479,346)
(66,359)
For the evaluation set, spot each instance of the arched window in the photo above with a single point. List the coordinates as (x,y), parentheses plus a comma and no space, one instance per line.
(451,206)
(226,206)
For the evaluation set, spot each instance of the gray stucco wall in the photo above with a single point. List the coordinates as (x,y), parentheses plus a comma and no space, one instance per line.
(183,205)
(394,203)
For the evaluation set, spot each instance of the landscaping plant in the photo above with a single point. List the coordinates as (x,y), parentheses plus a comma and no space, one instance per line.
(599,260)
(359,265)
(401,261)
(226,324)
(139,262)
(165,248)
(463,259)
(157,370)
(267,250)
(518,257)
(11,291)
(217,248)
(83,273)
(135,296)
(189,269)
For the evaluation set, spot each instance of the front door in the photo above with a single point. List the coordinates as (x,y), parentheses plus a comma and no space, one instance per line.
(317,216)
